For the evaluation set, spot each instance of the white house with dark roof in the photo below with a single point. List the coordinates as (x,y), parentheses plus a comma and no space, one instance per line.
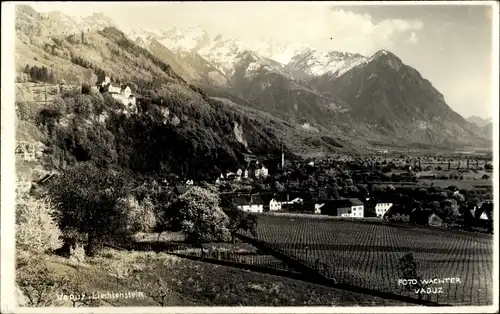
(382,208)
(351,207)
(357,208)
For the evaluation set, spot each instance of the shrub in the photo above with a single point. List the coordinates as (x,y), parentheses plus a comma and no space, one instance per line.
(77,253)
(38,283)
(36,227)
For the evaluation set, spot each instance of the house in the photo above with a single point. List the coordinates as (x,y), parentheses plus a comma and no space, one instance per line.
(382,208)
(485,210)
(239,172)
(274,205)
(334,207)
(272,202)
(245,174)
(294,199)
(126,91)
(351,207)
(29,151)
(435,220)
(357,208)
(249,203)
(317,208)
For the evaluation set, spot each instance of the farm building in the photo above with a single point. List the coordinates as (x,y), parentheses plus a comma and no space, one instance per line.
(249,203)
(352,207)
(382,208)
(435,221)
(291,198)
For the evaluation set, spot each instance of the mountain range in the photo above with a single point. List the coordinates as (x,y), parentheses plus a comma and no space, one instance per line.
(480,122)
(356,100)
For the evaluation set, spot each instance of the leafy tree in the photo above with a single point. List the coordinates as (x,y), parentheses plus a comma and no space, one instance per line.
(278,187)
(239,220)
(200,216)
(87,199)
(139,217)
(450,209)
(23,111)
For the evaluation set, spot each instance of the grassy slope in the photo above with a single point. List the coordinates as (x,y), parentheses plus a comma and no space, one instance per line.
(200,284)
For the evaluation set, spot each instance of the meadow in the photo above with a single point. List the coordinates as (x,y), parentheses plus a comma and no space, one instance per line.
(368,255)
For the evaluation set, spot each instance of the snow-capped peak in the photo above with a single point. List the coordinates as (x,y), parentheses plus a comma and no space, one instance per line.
(313,62)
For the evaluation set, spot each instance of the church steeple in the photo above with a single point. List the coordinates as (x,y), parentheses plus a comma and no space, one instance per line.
(282,156)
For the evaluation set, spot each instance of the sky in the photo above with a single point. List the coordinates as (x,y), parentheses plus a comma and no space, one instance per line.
(450,45)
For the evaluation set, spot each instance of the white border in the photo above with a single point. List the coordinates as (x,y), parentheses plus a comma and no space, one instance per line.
(8,303)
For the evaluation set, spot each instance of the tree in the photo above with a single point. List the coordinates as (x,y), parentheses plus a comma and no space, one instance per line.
(200,216)
(139,217)
(23,110)
(85,89)
(36,226)
(87,199)
(450,209)
(335,191)
(151,277)
(278,187)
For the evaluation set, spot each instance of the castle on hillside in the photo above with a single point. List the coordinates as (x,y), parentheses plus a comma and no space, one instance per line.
(122,94)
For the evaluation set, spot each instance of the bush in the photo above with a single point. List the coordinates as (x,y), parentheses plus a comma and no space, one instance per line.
(36,227)
(38,283)
(77,253)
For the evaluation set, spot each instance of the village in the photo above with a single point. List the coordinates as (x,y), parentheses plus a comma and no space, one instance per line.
(341,185)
